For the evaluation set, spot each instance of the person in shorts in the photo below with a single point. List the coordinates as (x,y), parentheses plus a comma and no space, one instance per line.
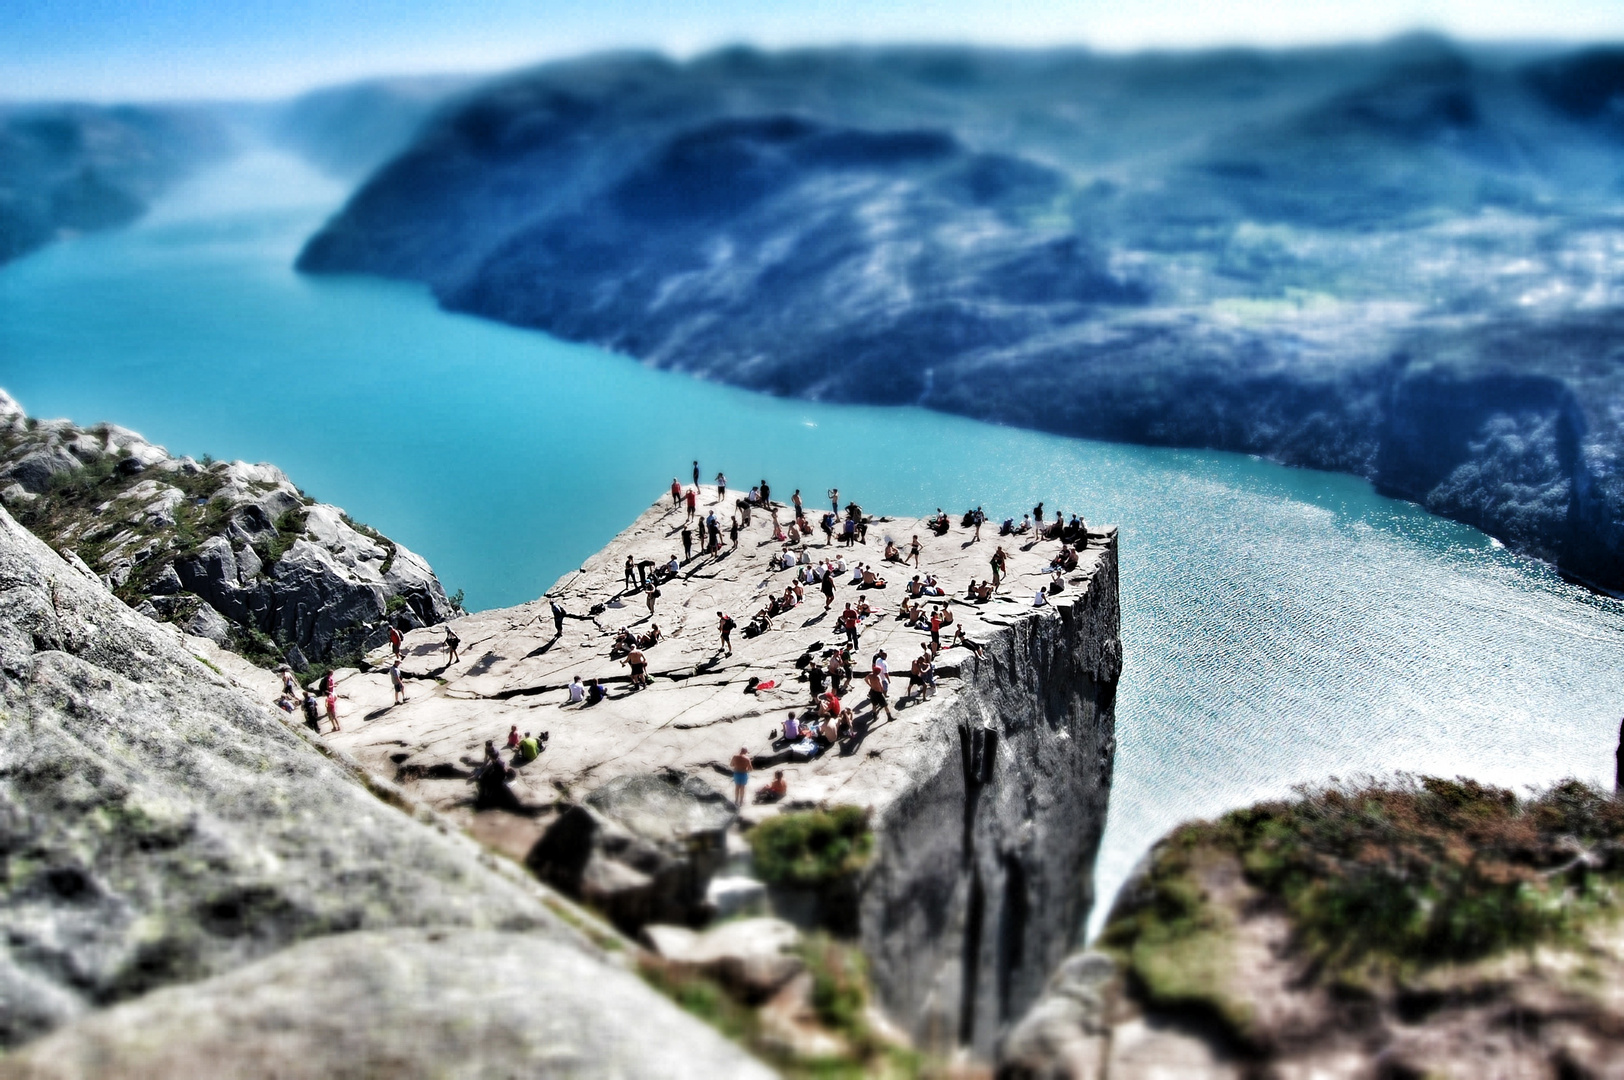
(876,695)
(741,765)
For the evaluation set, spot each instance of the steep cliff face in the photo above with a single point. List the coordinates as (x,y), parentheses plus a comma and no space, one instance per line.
(983,872)
(228,551)
(161,829)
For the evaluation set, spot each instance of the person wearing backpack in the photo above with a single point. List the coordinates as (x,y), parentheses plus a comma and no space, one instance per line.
(724,624)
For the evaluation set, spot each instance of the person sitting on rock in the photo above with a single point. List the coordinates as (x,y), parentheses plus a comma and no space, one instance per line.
(513,737)
(596,692)
(871,580)
(891,552)
(792,728)
(577,691)
(829,704)
(774,791)
(529,749)
(961,638)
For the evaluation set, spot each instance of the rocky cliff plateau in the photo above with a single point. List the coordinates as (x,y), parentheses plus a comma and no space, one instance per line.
(190,886)
(226,550)
(1385,260)
(985,803)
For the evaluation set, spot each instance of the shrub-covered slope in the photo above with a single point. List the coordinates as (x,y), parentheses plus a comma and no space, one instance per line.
(228,551)
(1425,927)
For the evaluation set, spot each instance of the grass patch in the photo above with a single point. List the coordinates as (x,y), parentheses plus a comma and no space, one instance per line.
(812,848)
(1388,879)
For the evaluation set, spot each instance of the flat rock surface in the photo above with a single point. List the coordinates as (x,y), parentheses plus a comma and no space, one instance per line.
(697,711)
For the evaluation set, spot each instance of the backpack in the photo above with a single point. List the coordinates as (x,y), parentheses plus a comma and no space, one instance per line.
(727,623)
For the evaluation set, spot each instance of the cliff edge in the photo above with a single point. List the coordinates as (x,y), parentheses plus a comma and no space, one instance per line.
(984,802)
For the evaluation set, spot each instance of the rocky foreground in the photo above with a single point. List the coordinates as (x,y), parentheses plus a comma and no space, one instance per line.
(225,550)
(191,887)
(1420,928)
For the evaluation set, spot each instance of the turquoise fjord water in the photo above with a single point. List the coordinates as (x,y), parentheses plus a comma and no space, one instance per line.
(1280,625)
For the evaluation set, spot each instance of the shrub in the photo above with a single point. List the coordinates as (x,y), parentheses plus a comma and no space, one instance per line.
(812,848)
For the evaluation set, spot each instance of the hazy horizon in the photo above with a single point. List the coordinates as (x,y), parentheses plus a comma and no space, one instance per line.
(178,50)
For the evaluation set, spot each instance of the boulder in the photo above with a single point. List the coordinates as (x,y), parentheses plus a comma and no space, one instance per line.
(752,958)
(401,1003)
(641,848)
(35,469)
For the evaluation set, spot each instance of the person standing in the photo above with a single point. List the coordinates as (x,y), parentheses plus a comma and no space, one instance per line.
(721,487)
(395,640)
(834,499)
(676,492)
(977,518)
(558,618)
(828,585)
(733,532)
(651,594)
(687,543)
(848,623)
(397,682)
(452,641)
(724,626)
(1037,513)
(795,501)
(876,694)
(631,574)
(693,501)
(913,552)
(999,561)
(696,474)
(741,765)
(332,701)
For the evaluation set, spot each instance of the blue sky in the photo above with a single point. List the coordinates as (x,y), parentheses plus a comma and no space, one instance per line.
(148,49)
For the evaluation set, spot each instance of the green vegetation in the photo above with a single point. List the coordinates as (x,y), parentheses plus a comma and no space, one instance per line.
(840,997)
(289,527)
(377,537)
(812,848)
(1382,880)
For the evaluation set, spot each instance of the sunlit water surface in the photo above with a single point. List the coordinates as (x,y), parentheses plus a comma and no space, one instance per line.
(1279,625)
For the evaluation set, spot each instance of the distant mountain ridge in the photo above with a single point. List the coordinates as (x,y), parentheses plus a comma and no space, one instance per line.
(81,168)
(1388,260)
